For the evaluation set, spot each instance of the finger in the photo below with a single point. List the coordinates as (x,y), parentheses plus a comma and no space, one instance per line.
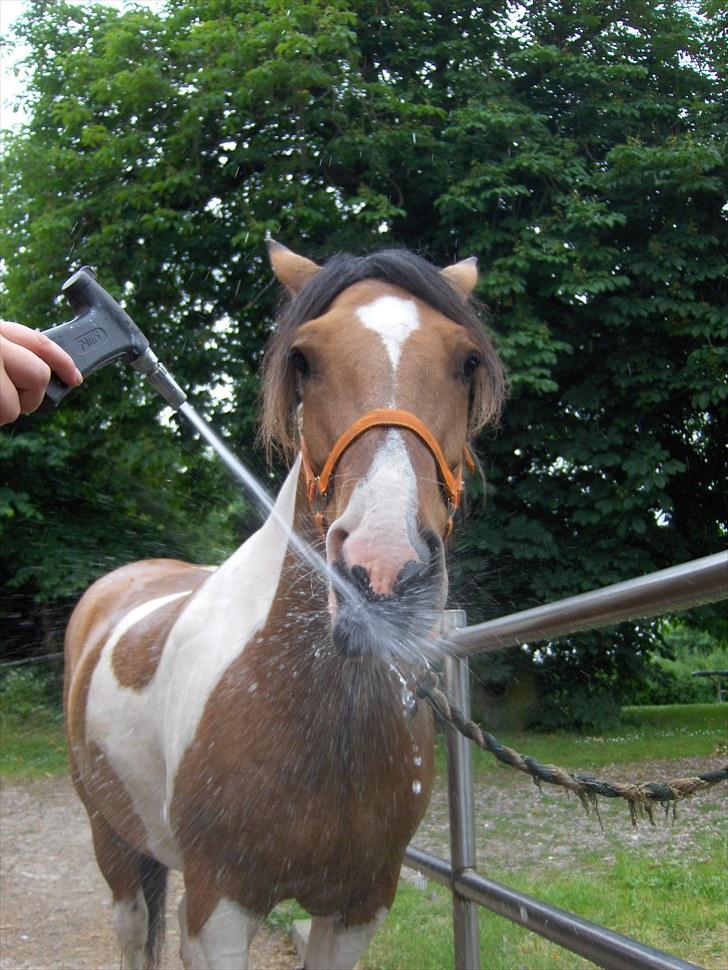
(9,401)
(56,357)
(24,368)
(30,398)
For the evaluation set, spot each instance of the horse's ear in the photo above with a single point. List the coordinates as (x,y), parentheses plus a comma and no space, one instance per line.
(293,271)
(463,275)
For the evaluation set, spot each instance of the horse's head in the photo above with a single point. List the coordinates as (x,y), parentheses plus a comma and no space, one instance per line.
(380,372)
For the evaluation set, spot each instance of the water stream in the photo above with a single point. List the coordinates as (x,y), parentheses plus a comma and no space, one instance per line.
(413,644)
(266,504)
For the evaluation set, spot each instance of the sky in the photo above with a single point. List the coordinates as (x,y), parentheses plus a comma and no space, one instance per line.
(10,86)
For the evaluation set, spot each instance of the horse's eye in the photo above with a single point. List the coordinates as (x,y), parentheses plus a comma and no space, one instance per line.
(299,363)
(470,365)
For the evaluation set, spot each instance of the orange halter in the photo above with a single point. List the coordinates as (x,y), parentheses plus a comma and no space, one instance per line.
(317,486)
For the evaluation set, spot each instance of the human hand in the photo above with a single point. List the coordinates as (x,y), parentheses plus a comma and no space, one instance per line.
(27,358)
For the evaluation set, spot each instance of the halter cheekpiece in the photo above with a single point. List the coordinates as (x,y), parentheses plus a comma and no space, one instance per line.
(317,486)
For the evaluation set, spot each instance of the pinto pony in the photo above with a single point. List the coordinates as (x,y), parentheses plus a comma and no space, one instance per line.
(254,725)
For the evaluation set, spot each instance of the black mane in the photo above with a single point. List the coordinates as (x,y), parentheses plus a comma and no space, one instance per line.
(398,267)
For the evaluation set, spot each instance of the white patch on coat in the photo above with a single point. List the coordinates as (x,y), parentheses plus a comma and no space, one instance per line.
(223,940)
(333,946)
(137,614)
(145,733)
(118,720)
(213,630)
(393,319)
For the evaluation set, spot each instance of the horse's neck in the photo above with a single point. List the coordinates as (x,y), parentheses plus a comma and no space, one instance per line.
(266,582)
(236,601)
(289,640)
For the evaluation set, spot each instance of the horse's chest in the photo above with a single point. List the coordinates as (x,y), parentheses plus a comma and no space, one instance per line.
(314,791)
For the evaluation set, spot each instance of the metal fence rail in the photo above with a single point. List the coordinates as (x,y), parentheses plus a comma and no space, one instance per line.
(669,590)
(603,947)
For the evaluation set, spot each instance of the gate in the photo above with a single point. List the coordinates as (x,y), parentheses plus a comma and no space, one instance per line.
(670,590)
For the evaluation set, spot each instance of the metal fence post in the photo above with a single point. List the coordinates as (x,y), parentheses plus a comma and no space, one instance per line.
(466,932)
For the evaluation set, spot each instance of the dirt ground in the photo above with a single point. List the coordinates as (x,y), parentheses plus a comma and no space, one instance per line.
(55,910)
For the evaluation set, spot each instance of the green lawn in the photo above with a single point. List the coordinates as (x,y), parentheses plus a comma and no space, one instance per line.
(676,906)
(32,749)
(646,734)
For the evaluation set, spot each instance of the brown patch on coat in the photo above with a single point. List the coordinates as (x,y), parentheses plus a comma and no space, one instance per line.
(138,652)
(117,859)
(100,610)
(119,812)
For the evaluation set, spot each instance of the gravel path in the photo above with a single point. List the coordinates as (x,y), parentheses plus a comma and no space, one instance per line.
(55,909)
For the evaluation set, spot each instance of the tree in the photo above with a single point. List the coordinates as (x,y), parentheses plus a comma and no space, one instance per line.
(578,148)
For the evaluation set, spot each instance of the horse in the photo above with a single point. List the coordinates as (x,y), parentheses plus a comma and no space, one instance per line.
(254,725)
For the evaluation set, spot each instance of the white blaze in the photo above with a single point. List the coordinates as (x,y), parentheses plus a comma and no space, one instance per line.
(393,319)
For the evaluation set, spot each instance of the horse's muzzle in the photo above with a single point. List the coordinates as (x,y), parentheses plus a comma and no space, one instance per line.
(399,625)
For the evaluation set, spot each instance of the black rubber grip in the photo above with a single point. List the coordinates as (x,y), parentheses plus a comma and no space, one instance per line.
(100,333)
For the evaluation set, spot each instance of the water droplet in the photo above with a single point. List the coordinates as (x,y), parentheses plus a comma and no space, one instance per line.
(418,760)
(416,787)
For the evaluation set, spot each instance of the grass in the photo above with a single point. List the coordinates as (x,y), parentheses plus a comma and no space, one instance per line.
(32,742)
(32,750)
(698,716)
(646,734)
(678,907)
(674,906)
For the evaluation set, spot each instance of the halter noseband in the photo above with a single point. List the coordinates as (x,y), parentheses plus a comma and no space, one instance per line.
(317,486)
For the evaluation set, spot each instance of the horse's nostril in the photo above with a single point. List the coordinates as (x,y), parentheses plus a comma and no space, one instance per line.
(409,575)
(360,579)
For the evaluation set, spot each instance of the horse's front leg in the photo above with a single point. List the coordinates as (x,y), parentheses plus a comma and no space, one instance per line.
(334,945)
(216,932)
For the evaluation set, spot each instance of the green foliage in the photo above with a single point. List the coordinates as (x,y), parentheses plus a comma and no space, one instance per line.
(29,695)
(579,150)
(671,679)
